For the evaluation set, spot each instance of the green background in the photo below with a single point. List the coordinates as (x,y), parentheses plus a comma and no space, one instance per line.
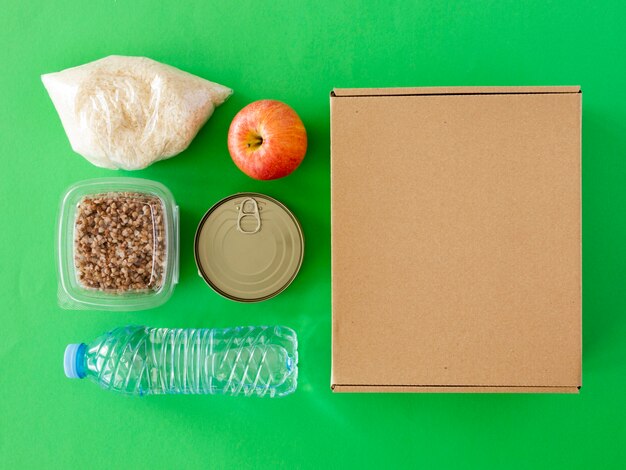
(297,52)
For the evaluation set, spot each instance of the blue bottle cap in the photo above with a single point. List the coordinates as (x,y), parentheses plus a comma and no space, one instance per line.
(72,361)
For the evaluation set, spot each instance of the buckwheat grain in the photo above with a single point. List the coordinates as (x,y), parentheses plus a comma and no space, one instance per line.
(119,243)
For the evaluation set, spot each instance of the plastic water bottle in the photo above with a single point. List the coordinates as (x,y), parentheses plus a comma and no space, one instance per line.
(139,360)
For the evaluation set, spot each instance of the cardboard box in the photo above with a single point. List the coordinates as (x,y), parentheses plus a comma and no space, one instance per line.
(456,239)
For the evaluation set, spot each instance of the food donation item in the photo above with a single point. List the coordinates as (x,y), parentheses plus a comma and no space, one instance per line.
(249,247)
(128,112)
(117,245)
(267,140)
(138,360)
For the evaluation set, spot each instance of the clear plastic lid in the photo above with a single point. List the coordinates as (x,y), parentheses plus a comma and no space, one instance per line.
(117,245)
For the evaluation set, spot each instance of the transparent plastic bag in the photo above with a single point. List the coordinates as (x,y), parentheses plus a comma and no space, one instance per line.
(128,112)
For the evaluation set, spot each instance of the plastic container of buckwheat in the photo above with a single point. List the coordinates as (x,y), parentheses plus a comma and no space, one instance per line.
(117,245)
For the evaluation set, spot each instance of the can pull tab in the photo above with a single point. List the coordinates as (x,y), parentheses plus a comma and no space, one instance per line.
(248,208)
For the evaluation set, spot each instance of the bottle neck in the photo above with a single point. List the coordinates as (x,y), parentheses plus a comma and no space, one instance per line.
(74,361)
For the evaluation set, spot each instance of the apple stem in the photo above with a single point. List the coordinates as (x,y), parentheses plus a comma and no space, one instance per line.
(257,142)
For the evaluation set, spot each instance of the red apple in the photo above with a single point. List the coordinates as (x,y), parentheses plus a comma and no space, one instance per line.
(267,140)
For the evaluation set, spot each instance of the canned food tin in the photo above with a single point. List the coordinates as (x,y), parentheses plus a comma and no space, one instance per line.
(249,247)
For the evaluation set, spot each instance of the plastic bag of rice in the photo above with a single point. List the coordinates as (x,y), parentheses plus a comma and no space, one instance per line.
(128,112)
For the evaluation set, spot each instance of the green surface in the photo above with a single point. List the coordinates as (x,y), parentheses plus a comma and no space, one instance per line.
(296,52)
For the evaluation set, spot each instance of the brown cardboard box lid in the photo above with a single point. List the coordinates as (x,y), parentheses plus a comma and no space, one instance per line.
(456,239)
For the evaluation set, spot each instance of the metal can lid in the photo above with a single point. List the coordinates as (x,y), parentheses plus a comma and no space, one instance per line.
(249,247)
